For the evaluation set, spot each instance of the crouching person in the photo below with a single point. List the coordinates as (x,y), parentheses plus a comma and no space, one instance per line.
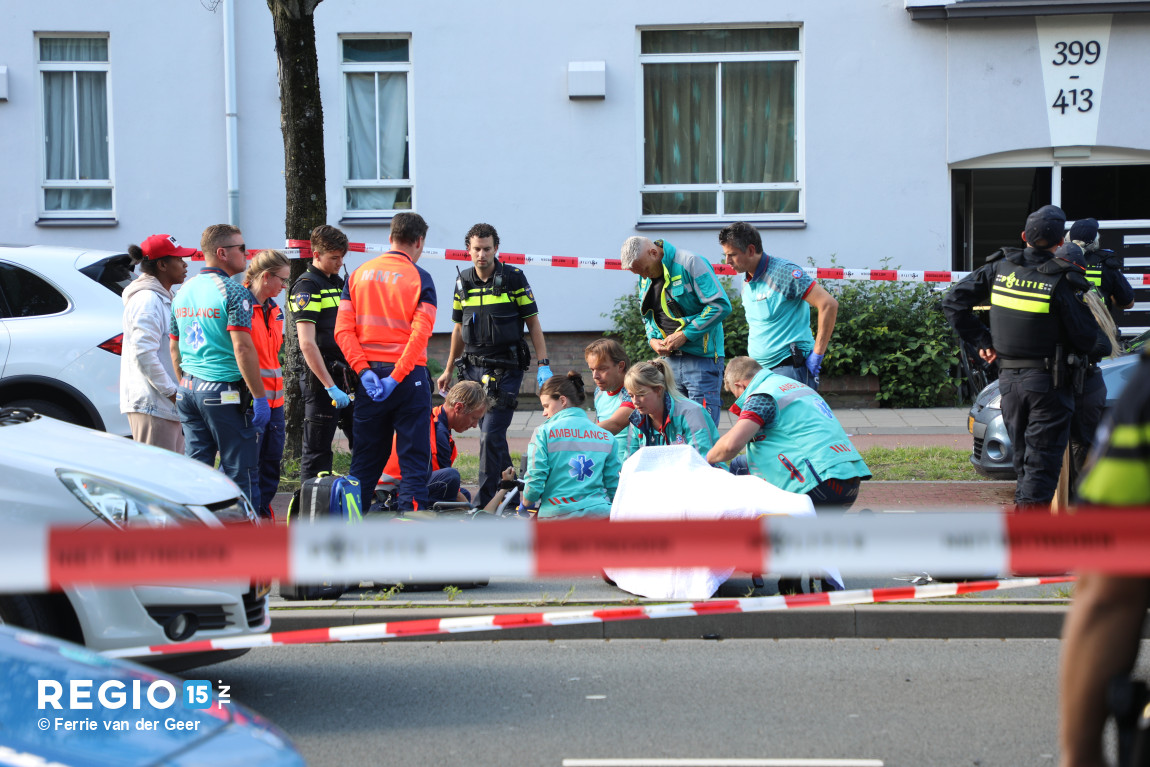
(572,464)
(464,407)
(793,439)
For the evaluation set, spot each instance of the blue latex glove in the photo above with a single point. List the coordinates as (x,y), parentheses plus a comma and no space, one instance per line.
(338,397)
(815,364)
(387,385)
(543,374)
(372,385)
(261,413)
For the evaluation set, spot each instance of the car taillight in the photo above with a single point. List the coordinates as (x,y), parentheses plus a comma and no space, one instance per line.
(114,345)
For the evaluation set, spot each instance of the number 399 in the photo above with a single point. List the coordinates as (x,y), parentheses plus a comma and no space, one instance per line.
(1076,52)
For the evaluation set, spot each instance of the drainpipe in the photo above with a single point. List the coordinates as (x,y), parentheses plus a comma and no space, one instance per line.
(231,117)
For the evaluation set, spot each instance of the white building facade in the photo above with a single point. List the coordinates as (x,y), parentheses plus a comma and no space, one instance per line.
(850,131)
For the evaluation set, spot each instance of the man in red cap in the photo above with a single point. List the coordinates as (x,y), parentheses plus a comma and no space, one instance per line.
(147,379)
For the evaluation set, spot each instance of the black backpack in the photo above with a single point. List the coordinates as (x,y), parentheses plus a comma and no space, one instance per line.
(328,495)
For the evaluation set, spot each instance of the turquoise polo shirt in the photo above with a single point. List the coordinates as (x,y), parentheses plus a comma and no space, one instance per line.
(606,403)
(204,312)
(777,314)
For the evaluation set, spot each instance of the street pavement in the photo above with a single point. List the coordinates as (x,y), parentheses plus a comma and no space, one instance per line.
(905,702)
(1036,612)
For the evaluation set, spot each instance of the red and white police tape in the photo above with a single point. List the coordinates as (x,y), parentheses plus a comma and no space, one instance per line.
(942,543)
(436,626)
(302,249)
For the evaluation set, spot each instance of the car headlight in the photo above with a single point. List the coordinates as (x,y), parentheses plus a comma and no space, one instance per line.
(990,396)
(125,506)
(236,511)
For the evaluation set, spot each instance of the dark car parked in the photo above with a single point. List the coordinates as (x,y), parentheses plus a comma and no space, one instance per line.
(993,455)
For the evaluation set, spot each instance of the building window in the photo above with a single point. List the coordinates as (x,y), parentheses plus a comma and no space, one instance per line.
(77,140)
(376,73)
(721,124)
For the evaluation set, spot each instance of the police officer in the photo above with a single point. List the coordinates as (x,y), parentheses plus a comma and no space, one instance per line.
(1040,330)
(1103,268)
(1103,630)
(1091,400)
(492,304)
(327,381)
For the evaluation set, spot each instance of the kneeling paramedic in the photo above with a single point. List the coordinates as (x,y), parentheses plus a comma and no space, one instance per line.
(793,440)
(463,409)
(492,304)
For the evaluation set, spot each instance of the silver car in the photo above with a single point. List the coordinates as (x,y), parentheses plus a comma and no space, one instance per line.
(55,473)
(993,455)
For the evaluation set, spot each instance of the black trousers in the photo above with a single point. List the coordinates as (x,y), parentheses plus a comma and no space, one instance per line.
(1037,418)
(320,419)
(1088,408)
(494,454)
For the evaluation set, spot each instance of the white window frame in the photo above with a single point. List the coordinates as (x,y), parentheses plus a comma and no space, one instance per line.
(373,67)
(47,184)
(720,188)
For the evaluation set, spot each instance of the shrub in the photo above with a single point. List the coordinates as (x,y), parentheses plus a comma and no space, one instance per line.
(896,331)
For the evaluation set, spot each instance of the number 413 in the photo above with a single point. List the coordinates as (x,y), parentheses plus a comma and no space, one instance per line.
(1074,98)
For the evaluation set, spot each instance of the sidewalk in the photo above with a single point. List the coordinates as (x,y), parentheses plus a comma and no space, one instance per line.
(946,422)
(865,421)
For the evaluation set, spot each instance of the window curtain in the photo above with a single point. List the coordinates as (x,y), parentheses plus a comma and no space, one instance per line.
(76,125)
(377,135)
(759,134)
(679,132)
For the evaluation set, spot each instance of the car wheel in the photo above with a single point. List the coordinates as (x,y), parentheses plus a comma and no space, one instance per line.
(50,409)
(42,613)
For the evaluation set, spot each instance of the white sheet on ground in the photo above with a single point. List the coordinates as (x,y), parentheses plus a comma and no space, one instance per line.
(675,482)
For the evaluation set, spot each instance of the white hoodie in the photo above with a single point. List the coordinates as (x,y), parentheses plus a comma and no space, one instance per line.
(147,378)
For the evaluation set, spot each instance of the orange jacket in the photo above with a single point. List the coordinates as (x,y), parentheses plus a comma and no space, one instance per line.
(268,337)
(386,314)
(392,468)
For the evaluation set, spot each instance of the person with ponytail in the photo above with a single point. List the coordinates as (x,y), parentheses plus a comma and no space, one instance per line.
(267,275)
(663,416)
(572,464)
(147,377)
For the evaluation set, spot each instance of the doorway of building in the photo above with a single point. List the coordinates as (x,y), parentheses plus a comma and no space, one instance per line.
(990,205)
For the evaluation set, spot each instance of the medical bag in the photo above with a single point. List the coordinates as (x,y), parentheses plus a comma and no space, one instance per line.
(327,496)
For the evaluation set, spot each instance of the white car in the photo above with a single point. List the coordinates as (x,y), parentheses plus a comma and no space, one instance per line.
(61,329)
(55,473)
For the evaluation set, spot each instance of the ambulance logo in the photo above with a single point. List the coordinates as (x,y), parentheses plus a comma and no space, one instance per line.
(195,336)
(581,467)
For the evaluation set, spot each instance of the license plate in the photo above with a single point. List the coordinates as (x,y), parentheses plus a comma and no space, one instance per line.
(970,424)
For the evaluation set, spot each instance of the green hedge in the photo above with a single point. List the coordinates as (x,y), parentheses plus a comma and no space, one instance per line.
(894,330)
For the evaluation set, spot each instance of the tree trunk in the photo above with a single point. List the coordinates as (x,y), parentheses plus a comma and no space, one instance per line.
(301,122)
